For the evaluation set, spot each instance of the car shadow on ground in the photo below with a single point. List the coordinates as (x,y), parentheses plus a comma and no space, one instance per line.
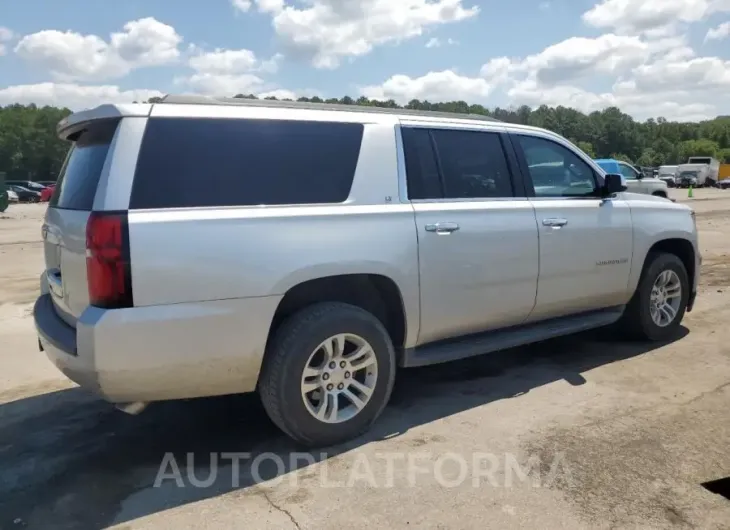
(72,461)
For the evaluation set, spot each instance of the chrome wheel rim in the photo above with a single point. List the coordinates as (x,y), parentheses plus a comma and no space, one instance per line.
(665,299)
(339,378)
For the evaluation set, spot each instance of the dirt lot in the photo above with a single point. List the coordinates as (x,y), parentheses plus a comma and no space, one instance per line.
(579,432)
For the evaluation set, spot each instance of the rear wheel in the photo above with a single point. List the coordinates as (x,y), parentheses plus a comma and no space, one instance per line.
(660,301)
(328,374)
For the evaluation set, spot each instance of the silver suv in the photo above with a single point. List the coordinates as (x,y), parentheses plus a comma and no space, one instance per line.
(199,247)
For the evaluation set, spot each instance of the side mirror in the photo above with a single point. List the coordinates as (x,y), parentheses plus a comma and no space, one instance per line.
(613,183)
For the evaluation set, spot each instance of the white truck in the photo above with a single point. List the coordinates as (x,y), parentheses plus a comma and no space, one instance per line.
(699,171)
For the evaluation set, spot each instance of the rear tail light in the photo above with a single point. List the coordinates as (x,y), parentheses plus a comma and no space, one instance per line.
(107,260)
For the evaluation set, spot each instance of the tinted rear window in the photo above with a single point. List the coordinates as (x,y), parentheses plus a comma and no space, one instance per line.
(188,162)
(79,176)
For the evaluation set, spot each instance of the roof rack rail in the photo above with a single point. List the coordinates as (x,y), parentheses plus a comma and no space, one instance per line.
(209,100)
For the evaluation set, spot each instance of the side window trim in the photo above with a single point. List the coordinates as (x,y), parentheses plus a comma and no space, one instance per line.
(513,169)
(439,165)
(521,183)
(522,162)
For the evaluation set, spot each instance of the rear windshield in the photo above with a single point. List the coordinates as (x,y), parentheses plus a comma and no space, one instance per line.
(79,177)
(186,162)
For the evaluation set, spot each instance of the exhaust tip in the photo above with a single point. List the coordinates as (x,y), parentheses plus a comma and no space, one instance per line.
(132,408)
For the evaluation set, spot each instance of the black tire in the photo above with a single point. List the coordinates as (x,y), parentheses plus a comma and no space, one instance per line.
(710,183)
(660,194)
(636,321)
(286,357)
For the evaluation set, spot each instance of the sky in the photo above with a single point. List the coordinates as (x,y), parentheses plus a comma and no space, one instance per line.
(651,58)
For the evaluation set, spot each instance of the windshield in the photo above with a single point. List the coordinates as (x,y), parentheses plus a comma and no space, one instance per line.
(688,174)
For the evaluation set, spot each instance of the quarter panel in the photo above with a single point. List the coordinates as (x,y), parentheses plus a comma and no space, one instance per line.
(226,253)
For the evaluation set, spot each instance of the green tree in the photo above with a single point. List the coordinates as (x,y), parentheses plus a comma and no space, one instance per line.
(587,148)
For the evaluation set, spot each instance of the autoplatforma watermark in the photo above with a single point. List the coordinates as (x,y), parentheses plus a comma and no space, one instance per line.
(378,470)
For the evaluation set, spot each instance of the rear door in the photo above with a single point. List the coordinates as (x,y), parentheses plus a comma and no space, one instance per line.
(586,242)
(477,236)
(64,227)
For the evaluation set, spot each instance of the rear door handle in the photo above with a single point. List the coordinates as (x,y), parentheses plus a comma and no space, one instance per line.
(555,222)
(442,228)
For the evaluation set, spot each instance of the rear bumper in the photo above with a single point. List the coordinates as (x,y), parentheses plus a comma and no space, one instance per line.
(160,352)
(58,340)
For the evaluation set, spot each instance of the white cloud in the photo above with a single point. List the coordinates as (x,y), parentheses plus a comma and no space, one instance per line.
(73,96)
(437,43)
(228,72)
(222,84)
(578,56)
(651,78)
(5,35)
(658,17)
(435,86)
(326,31)
(544,6)
(720,32)
(279,94)
(242,5)
(71,56)
(224,62)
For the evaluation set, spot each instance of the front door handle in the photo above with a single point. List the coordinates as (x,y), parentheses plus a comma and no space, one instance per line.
(555,222)
(442,228)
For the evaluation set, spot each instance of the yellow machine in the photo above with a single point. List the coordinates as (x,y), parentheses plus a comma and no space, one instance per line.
(723,172)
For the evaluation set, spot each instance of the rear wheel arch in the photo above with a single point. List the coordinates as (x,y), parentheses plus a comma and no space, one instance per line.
(660,194)
(375,293)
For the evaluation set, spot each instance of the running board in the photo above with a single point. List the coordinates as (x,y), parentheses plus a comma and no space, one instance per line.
(492,341)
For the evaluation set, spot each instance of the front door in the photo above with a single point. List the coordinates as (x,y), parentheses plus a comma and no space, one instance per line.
(477,240)
(585,241)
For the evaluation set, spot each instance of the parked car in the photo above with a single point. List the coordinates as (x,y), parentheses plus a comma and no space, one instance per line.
(47,193)
(330,245)
(635,180)
(24,194)
(724,184)
(28,184)
(668,174)
(12,196)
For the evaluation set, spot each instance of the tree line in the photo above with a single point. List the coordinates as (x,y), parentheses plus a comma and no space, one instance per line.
(29,148)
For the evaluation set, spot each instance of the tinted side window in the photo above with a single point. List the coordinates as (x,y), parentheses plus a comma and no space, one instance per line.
(205,162)
(421,168)
(473,164)
(555,170)
(80,174)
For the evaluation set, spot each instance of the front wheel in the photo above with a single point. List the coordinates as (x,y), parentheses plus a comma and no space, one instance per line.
(660,301)
(328,374)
